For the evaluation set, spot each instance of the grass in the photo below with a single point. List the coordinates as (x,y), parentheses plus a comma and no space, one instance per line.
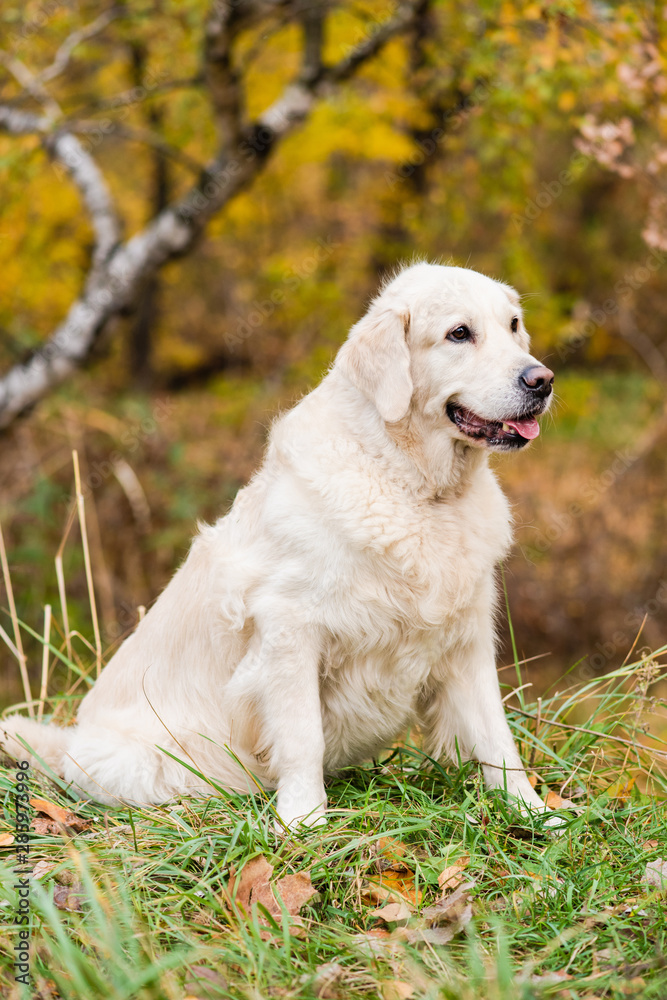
(565,915)
(137,903)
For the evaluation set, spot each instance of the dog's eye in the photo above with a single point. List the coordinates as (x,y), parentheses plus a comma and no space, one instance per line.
(460,334)
(515,324)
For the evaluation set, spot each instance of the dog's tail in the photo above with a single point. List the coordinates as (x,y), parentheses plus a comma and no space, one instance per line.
(49,742)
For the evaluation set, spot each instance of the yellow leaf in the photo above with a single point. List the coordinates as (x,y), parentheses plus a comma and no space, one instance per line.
(452,876)
(621,789)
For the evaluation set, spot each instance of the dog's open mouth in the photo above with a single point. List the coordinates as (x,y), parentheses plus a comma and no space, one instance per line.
(510,433)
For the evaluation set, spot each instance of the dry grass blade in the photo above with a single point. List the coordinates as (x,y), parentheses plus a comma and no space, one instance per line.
(86,558)
(45,661)
(60,576)
(17,649)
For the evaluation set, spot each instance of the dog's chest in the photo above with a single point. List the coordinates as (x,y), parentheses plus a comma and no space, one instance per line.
(369,697)
(417,572)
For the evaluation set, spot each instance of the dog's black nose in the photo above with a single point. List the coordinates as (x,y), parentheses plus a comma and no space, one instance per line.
(537,380)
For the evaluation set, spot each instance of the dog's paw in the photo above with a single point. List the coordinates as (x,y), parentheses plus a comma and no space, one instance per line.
(297,824)
(298,811)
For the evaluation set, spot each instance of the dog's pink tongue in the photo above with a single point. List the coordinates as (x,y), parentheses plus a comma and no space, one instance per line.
(526,428)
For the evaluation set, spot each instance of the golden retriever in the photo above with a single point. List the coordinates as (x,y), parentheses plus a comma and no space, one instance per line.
(349,592)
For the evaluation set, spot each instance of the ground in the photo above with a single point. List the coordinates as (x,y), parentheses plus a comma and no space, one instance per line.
(421,884)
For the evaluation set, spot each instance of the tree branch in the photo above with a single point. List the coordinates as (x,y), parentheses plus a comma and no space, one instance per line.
(221,77)
(64,53)
(30,83)
(312,20)
(117,274)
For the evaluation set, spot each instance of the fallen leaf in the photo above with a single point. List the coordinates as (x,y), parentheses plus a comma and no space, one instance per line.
(396,989)
(253,887)
(454,909)
(206,984)
(452,876)
(376,941)
(50,809)
(553,800)
(548,978)
(393,913)
(6,839)
(650,845)
(58,818)
(655,874)
(42,868)
(442,922)
(621,789)
(69,897)
(390,886)
(390,854)
(426,935)
(532,779)
(326,978)
(295,891)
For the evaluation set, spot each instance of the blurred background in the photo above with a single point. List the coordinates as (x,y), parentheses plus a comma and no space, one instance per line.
(526,140)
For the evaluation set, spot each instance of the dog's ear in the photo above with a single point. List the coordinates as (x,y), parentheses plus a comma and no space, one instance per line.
(376,360)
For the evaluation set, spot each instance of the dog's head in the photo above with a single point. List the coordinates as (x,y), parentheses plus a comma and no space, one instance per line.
(451,343)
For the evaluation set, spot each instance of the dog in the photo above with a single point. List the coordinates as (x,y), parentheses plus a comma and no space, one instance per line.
(349,593)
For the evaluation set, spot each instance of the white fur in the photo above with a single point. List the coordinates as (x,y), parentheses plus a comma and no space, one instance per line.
(349,592)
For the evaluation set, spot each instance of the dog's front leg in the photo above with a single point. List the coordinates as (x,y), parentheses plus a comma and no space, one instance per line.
(464,709)
(286,692)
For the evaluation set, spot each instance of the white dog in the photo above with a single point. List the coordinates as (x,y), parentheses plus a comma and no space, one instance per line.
(349,592)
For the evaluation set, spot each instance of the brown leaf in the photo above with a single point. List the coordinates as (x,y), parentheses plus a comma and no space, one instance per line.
(69,897)
(326,979)
(43,868)
(426,935)
(553,800)
(57,819)
(393,913)
(532,778)
(6,839)
(50,809)
(655,874)
(376,941)
(205,984)
(454,910)
(253,887)
(452,876)
(295,891)
(650,845)
(548,978)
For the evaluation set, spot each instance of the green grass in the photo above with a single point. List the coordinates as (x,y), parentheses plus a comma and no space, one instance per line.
(151,883)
